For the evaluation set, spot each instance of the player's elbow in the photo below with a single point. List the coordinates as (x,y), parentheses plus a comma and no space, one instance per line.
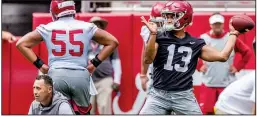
(148,60)
(115,42)
(223,58)
(19,44)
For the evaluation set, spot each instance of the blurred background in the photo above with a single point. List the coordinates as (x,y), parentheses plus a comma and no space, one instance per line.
(22,16)
(17,14)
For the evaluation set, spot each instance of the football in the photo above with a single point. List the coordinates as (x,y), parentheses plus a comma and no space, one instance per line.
(242,23)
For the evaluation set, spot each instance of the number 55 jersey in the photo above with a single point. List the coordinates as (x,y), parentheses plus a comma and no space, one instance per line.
(67,42)
(175,61)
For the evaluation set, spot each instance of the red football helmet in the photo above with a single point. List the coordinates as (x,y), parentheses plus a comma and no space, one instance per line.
(182,13)
(156,15)
(59,8)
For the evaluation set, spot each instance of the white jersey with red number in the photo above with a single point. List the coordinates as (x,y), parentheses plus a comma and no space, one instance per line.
(67,41)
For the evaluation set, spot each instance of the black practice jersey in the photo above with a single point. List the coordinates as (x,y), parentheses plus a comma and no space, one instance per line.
(175,61)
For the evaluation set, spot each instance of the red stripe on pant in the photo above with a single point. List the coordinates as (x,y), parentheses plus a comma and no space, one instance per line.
(80,109)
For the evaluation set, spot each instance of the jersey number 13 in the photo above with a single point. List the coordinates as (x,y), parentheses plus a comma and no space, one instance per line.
(186,59)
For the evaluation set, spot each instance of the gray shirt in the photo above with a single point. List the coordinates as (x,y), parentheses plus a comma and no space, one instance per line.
(59,106)
(105,69)
(218,74)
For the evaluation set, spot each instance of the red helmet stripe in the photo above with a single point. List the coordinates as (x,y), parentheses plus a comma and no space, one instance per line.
(65,8)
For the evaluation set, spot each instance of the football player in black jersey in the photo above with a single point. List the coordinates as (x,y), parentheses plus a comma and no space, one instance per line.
(174,54)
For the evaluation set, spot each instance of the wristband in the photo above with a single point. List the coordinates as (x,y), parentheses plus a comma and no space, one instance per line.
(233,34)
(96,61)
(38,63)
(153,33)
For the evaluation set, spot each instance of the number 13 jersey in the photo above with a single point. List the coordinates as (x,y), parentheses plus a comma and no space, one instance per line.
(67,42)
(175,61)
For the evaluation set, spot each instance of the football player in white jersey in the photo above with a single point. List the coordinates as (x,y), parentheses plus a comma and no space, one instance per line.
(146,69)
(239,96)
(67,42)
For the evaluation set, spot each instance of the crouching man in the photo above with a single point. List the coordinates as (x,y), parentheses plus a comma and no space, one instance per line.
(47,101)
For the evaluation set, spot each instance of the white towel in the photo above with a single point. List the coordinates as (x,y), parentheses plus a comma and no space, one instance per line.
(92,89)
